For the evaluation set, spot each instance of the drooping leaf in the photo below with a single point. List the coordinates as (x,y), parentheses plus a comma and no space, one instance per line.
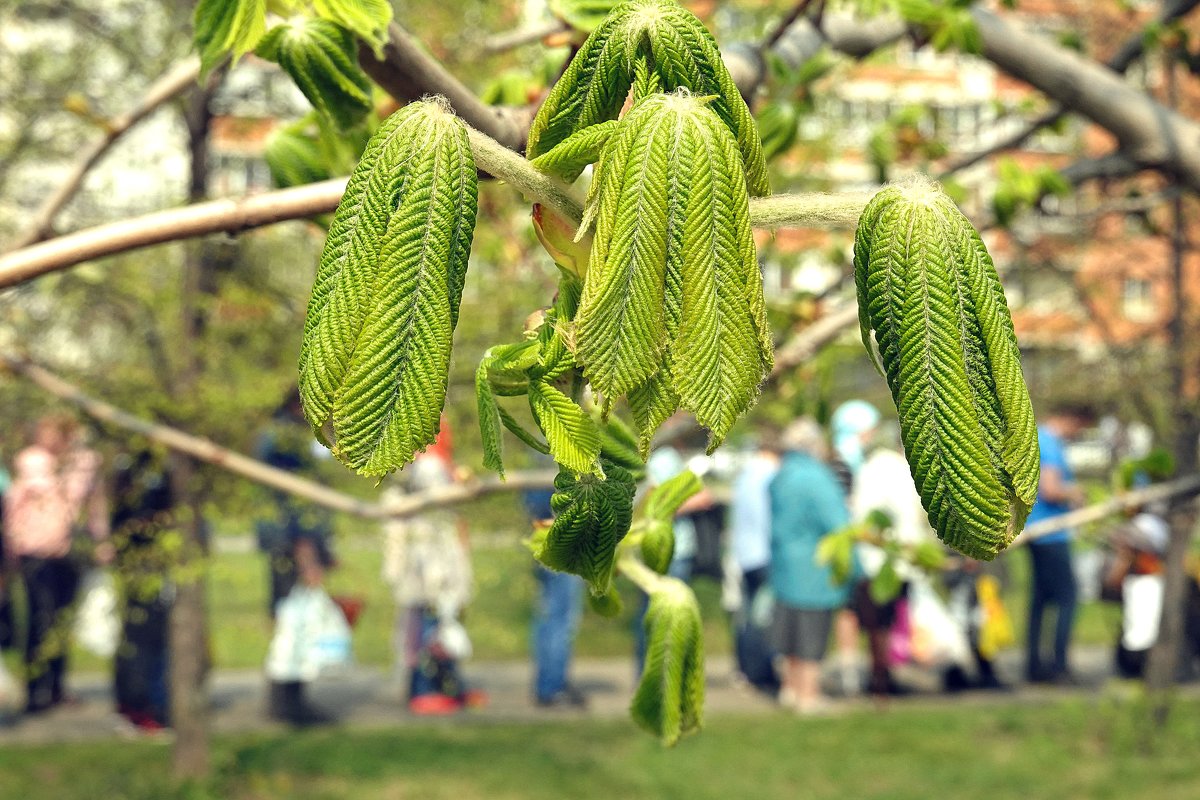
(590,91)
(504,371)
(591,517)
(377,338)
(652,404)
(569,157)
(669,701)
(367,19)
(947,346)
(573,438)
(321,57)
(222,27)
(886,585)
(672,311)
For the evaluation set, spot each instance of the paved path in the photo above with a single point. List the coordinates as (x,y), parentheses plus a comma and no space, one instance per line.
(370,697)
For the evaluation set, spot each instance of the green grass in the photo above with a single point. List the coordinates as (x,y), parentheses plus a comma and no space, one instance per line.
(1074,749)
(498,619)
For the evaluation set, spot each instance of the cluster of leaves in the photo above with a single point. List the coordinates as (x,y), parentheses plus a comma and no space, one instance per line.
(317,45)
(928,288)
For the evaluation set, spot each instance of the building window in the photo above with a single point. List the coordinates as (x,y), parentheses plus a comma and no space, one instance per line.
(1137,300)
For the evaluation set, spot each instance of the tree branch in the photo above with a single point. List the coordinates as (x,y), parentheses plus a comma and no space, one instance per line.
(231,216)
(409,73)
(1130,51)
(210,453)
(162,91)
(1178,489)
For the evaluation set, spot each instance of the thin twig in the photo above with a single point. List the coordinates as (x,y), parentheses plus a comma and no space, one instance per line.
(211,453)
(162,91)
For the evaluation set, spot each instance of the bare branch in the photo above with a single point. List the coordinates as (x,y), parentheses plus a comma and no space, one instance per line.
(211,453)
(805,344)
(1130,51)
(1180,488)
(162,91)
(409,73)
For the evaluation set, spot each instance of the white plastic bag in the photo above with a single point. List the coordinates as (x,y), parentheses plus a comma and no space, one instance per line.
(97,623)
(311,635)
(937,638)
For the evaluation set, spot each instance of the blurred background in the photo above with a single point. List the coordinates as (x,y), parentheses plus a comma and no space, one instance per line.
(1088,216)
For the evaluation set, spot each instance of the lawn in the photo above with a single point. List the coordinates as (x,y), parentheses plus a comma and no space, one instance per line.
(1091,749)
(498,620)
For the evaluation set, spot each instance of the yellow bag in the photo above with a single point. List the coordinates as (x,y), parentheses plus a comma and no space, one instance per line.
(996,630)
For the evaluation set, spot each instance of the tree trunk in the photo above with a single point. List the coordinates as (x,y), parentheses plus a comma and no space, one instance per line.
(1163,666)
(189,617)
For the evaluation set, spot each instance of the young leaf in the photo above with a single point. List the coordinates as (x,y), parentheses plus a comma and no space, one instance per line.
(322,58)
(376,349)
(583,15)
(367,19)
(573,438)
(619,445)
(673,294)
(669,701)
(590,91)
(504,367)
(569,157)
(591,517)
(946,343)
(294,158)
(227,26)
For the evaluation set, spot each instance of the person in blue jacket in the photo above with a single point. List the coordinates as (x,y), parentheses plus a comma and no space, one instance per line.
(807,503)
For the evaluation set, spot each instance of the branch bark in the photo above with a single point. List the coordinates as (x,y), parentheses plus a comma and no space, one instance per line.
(209,452)
(165,89)
(1130,51)
(407,72)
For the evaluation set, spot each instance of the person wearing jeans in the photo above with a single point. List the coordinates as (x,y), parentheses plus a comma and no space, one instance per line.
(554,627)
(1052,579)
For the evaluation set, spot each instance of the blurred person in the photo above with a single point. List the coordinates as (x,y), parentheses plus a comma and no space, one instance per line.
(556,619)
(296,539)
(1137,576)
(974,595)
(806,504)
(426,564)
(55,484)
(1052,579)
(142,503)
(852,424)
(882,482)
(750,548)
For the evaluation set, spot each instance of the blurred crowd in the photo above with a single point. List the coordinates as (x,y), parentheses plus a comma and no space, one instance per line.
(820,542)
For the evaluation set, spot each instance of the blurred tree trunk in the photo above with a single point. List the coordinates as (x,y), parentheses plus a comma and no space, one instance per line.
(189,617)
(1163,667)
